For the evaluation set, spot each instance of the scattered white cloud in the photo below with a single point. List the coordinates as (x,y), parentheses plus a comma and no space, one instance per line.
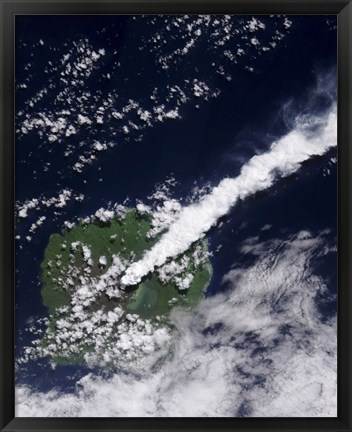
(81,119)
(254,41)
(163,216)
(287,23)
(58,202)
(37,224)
(102,261)
(255,24)
(71,107)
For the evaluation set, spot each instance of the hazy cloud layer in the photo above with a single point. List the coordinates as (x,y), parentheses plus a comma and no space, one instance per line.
(259,349)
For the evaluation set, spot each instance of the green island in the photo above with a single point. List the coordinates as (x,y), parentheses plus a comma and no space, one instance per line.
(85,255)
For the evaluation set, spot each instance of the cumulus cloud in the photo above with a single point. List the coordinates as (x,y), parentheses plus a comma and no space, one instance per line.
(258,349)
(312,136)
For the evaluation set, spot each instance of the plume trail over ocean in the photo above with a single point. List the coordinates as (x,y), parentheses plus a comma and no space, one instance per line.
(312,136)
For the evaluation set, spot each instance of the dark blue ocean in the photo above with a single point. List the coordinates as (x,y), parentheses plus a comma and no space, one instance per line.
(208,144)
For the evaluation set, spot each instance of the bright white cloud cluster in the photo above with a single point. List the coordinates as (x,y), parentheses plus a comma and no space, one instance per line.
(259,349)
(312,136)
(28,205)
(104,215)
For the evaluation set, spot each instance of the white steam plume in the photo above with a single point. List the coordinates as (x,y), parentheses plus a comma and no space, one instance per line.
(311,136)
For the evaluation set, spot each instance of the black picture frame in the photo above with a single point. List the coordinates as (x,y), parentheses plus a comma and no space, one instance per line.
(8,10)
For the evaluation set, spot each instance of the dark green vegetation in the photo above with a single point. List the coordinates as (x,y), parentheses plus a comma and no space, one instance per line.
(65,265)
(124,237)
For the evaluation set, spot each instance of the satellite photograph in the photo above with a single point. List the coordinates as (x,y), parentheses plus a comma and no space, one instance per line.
(176,215)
